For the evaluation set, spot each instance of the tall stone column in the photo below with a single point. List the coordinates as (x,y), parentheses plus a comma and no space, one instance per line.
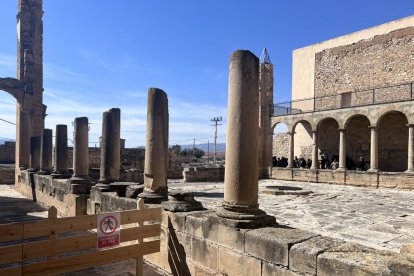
(291,162)
(23,135)
(241,174)
(156,148)
(265,109)
(342,150)
(60,164)
(315,160)
(110,146)
(410,165)
(35,149)
(46,152)
(374,150)
(80,150)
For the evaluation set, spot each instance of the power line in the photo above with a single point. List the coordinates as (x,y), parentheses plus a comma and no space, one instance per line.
(7,121)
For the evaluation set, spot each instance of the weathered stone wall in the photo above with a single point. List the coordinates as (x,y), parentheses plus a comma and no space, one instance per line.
(397,180)
(358,138)
(281,142)
(7,176)
(328,137)
(8,153)
(393,143)
(381,61)
(200,174)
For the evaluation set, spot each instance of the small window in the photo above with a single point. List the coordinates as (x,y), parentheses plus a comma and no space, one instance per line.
(346,99)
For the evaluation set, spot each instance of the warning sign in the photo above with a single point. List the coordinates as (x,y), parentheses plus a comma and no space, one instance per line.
(108,226)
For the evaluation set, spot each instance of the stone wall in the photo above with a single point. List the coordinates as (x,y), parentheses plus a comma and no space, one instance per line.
(328,137)
(381,61)
(281,142)
(358,138)
(203,174)
(7,153)
(393,143)
(7,175)
(349,177)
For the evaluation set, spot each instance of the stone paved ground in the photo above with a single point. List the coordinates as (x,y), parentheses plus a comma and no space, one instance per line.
(16,208)
(379,218)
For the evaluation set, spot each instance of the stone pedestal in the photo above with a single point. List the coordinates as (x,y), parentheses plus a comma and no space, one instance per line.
(110,147)
(156,149)
(80,151)
(46,152)
(181,202)
(60,165)
(35,149)
(241,174)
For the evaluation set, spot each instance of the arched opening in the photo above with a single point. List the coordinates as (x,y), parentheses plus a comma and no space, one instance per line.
(392,142)
(328,140)
(7,138)
(303,144)
(281,145)
(358,139)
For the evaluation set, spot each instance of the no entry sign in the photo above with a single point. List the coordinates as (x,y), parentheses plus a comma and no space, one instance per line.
(108,226)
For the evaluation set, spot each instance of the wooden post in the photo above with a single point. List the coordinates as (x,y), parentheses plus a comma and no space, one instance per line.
(52,214)
(140,260)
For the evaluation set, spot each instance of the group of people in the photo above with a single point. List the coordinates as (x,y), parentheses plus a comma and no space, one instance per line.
(324,163)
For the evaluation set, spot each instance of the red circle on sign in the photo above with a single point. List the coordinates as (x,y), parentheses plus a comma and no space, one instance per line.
(108,225)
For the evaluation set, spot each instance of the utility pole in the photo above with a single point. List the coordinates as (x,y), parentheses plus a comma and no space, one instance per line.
(208,152)
(216,120)
(193,148)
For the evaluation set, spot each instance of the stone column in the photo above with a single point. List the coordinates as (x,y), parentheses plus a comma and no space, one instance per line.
(342,150)
(156,148)
(110,146)
(46,152)
(291,163)
(23,133)
(60,164)
(374,150)
(35,149)
(80,150)
(241,174)
(410,165)
(315,160)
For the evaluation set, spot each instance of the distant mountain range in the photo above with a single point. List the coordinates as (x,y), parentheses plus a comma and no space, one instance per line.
(221,147)
(4,140)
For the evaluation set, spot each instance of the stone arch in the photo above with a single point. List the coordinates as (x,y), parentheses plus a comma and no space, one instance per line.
(328,138)
(392,141)
(14,87)
(303,139)
(358,139)
(280,140)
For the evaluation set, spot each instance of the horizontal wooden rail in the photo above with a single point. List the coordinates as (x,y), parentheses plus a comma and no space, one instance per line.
(58,245)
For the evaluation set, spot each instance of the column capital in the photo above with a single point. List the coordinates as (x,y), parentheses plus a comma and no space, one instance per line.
(410,125)
(372,127)
(314,131)
(342,129)
(290,132)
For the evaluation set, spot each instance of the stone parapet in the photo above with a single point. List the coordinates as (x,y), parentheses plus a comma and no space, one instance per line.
(69,199)
(201,174)
(399,180)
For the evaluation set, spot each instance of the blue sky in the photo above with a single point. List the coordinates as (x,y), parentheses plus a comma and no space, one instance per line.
(100,54)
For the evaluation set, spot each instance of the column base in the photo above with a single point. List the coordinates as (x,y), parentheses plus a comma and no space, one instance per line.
(79,180)
(245,216)
(156,197)
(103,187)
(340,170)
(60,175)
(374,171)
(181,202)
(44,172)
(409,172)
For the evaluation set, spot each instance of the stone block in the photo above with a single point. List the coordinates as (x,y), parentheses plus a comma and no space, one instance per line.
(303,256)
(353,259)
(234,263)
(272,244)
(196,270)
(204,253)
(269,269)
(172,220)
(160,259)
(207,225)
(132,191)
(401,266)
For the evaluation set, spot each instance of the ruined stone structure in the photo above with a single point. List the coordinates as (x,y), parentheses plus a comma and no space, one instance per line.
(27,87)
(352,97)
(156,156)
(265,109)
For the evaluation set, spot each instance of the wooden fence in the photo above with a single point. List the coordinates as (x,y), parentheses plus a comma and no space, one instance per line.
(58,245)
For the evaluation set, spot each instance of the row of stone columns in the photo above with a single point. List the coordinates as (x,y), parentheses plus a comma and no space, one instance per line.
(342,149)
